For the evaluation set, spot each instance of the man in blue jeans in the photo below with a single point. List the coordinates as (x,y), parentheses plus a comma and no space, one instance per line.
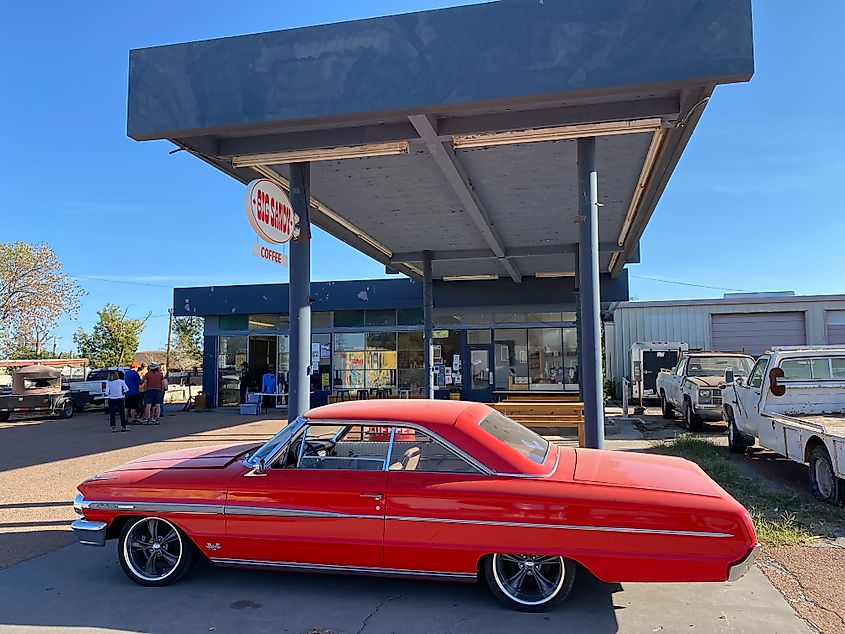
(133,396)
(153,391)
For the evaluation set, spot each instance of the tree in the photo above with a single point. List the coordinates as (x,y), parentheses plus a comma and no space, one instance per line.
(114,339)
(188,332)
(28,343)
(34,292)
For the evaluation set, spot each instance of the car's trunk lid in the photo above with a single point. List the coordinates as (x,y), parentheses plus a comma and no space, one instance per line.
(643,471)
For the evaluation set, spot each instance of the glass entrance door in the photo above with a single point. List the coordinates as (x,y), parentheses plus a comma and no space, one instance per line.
(478,377)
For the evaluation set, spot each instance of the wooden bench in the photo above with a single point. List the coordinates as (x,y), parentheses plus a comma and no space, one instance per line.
(543,397)
(545,415)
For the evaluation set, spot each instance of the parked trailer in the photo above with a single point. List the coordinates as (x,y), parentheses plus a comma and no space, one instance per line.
(793,403)
(37,389)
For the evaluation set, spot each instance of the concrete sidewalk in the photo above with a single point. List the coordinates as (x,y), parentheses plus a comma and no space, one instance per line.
(82,589)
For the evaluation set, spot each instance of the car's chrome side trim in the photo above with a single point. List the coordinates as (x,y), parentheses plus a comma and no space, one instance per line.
(393,572)
(81,505)
(567,527)
(739,569)
(266,511)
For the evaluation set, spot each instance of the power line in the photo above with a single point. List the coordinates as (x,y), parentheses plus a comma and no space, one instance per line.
(104,279)
(679,283)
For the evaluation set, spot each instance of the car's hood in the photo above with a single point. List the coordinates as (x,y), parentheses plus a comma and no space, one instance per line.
(216,457)
(707,381)
(643,471)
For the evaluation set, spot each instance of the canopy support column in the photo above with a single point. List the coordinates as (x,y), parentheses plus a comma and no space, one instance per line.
(299,380)
(428,321)
(589,297)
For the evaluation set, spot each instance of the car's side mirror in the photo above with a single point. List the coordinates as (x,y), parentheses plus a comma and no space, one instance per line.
(729,375)
(739,380)
(774,387)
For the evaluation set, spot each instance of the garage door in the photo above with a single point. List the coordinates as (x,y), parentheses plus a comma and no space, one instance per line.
(835,327)
(754,332)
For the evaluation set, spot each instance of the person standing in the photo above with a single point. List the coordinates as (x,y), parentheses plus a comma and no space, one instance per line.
(244,381)
(133,395)
(115,391)
(153,386)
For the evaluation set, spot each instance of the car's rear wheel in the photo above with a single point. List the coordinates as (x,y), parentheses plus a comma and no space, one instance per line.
(665,407)
(154,552)
(529,583)
(823,481)
(691,421)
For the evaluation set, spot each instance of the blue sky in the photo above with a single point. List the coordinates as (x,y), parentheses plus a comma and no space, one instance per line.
(756,202)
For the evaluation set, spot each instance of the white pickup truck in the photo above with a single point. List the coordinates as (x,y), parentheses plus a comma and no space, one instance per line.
(694,386)
(793,403)
(95,384)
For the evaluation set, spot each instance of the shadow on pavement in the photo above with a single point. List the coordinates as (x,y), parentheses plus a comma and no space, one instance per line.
(91,591)
(43,441)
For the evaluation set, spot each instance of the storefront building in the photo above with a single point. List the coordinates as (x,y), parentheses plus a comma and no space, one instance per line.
(368,335)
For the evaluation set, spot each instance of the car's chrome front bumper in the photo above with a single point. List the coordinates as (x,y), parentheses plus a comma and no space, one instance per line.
(738,570)
(90,533)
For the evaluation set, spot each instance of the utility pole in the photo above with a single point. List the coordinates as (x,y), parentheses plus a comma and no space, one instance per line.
(169,332)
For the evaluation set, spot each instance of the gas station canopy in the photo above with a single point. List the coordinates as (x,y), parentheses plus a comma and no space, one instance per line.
(454,130)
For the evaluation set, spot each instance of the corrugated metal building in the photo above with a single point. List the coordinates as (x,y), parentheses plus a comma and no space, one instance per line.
(738,322)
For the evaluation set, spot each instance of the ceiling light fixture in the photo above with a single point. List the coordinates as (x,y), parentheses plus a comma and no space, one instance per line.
(469,278)
(322,154)
(545,274)
(560,133)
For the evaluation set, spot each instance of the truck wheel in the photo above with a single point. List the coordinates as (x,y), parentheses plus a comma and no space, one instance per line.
(666,408)
(67,409)
(691,421)
(823,481)
(737,443)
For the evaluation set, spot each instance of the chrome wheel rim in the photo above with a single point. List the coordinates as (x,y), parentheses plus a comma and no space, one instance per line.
(731,433)
(529,579)
(824,478)
(153,549)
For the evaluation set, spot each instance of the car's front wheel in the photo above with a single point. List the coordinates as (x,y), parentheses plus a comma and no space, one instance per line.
(154,552)
(665,407)
(529,583)
(691,421)
(737,442)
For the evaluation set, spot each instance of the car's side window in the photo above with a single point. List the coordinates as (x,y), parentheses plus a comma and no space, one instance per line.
(414,450)
(333,446)
(679,369)
(755,379)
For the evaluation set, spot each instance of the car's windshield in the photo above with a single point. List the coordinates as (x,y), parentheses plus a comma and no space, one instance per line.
(269,448)
(516,436)
(716,366)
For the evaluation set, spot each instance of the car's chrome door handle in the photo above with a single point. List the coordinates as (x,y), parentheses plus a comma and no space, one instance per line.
(375,496)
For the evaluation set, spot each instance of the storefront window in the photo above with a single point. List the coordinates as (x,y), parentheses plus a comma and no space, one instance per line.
(478,318)
(349,318)
(448,319)
(545,318)
(233,322)
(268,322)
(478,336)
(321,351)
(570,359)
(283,364)
(321,319)
(410,361)
(511,351)
(445,345)
(510,318)
(545,359)
(348,359)
(231,354)
(381,359)
(409,317)
(380,318)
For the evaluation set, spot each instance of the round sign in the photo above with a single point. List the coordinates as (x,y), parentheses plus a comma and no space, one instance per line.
(269,212)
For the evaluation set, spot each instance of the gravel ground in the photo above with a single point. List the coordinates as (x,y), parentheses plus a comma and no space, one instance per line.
(42,461)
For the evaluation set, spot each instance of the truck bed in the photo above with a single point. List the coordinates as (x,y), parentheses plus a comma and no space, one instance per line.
(832,423)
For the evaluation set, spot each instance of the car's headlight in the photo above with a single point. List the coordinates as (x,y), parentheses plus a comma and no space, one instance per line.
(704,393)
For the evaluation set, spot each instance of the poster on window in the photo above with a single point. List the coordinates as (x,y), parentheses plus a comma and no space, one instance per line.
(325,380)
(437,354)
(315,355)
(448,375)
(325,351)
(456,362)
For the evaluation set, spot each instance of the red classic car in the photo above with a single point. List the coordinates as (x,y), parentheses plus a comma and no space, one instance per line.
(412,488)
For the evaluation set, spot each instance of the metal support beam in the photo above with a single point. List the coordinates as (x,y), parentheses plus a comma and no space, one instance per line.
(515,252)
(455,175)
(428,324)
(299,380)
(588,274)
